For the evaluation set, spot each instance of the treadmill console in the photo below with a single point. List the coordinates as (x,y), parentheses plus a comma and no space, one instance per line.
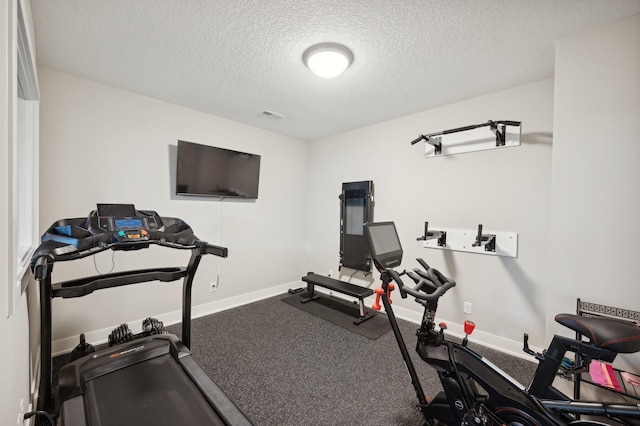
(119,227)
(124,222)
(115,227)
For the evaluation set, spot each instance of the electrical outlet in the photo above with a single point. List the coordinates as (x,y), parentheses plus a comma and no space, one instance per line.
(467,308)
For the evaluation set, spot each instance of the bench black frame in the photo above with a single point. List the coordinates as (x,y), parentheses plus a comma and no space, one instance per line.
(349,289)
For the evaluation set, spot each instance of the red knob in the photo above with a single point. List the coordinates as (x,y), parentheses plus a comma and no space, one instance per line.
(469,326)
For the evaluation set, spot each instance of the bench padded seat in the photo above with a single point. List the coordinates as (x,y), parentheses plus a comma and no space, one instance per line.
(349,289)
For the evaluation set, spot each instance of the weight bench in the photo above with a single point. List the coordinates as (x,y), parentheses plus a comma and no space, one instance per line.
(349,289)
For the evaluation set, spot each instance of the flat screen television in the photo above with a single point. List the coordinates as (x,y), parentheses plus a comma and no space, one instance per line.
(205,170)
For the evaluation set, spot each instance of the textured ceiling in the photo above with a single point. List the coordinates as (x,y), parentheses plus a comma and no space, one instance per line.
(238,58)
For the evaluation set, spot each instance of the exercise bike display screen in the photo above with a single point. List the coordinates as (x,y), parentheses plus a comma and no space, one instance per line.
(384,244)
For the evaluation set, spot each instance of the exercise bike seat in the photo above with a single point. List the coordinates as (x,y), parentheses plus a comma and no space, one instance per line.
(608,333)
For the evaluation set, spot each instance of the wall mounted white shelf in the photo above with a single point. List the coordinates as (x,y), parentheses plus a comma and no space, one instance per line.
(477,137)
(493,243)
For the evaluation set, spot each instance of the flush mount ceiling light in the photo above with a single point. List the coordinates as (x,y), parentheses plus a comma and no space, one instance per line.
(327,60)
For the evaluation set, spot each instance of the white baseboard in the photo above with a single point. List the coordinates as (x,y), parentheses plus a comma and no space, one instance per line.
(97,337)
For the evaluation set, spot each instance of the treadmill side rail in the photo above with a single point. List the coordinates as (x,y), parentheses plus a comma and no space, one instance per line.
(72,412)
(224,407)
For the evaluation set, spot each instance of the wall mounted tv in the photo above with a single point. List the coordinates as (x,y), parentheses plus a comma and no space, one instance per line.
(204,170)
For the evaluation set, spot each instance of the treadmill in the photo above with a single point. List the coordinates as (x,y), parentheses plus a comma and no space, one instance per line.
(151,380)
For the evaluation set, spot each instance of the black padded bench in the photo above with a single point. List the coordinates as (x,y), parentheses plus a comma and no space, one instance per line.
(349,289)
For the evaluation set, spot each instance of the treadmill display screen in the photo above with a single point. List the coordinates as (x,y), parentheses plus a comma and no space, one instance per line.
(117,210)
(128,223)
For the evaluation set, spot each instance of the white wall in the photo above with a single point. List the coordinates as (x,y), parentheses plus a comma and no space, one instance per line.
(14,358)
(505,190)
(595,196)
(100,144)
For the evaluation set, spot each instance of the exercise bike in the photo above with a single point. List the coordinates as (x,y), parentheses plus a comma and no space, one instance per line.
(476,392)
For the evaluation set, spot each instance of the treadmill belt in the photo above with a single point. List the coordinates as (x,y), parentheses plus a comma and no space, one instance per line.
(155,392)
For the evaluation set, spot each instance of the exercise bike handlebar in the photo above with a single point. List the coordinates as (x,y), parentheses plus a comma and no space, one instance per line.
(430,283)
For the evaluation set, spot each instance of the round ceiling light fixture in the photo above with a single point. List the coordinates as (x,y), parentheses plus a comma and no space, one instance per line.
(327,60)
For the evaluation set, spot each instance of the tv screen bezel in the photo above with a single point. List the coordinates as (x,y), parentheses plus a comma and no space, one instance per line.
(215,195)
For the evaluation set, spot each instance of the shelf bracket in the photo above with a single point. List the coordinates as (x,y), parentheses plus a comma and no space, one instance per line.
(436,142)
(489,240)
(431,235)
(499,131)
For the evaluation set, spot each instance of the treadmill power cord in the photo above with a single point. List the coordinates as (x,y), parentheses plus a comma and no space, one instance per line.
(113,264)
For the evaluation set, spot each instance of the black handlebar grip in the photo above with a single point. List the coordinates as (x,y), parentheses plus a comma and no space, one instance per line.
(421,273)
(432,296)
(40,268)
(422,280)
(418,139)
(441,278)
(431,278)
(401,286)
(423,264)
(216,250)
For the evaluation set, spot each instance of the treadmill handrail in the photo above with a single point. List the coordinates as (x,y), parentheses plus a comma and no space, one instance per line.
(87,285)
(52,251)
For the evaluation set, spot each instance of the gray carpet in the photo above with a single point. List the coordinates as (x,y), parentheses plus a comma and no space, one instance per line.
(283,366)
(286,367)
